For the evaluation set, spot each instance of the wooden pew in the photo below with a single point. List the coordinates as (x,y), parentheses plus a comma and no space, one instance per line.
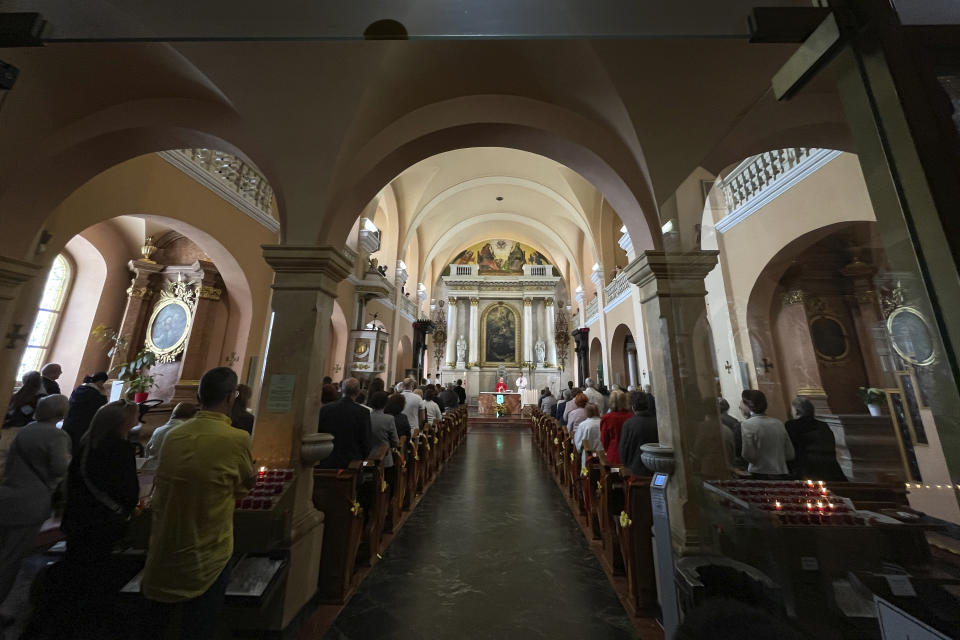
(611,502)
(633,528)
(397,480)
(414,473)
(589,479)
(335,493)
(374,500)
(574,462)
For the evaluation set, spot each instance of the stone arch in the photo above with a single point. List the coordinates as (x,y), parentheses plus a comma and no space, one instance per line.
(93,144)
(619,361)
(404,351)
(596,357)
(593,151)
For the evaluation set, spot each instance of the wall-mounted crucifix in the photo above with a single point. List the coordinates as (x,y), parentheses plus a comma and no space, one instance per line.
(728,366)
(766,365)
(14,336)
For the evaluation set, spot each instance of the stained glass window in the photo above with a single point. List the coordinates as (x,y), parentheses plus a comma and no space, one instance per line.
(48,316)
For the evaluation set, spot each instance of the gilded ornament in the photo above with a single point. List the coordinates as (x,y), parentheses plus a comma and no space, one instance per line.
(138,292)
(795,296)
(209,293)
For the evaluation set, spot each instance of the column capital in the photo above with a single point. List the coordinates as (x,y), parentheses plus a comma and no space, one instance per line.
(452,300)
(527,302)
(309,267)
(474,302)
(548,302)
(672,273)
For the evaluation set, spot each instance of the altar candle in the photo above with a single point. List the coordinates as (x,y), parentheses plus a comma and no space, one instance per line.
(777,505)
(809,506)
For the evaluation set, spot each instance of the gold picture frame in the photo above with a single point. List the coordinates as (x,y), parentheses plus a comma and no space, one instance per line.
(518,336)
(904,313)
(168,339)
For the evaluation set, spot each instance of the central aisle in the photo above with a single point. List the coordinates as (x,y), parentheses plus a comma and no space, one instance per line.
(492,551)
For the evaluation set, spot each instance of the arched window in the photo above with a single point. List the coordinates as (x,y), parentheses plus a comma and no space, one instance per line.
(48,316)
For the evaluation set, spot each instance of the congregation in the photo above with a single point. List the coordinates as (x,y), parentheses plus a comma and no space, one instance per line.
(620,422)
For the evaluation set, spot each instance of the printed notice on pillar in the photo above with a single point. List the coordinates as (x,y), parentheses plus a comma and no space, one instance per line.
(280,395)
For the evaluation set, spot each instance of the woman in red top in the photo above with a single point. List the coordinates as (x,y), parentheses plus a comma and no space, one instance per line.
(611,424)
(501,385)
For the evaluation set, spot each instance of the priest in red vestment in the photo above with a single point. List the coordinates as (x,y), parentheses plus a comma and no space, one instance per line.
(501,385)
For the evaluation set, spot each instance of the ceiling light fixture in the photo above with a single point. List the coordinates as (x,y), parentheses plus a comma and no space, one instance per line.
(499,198)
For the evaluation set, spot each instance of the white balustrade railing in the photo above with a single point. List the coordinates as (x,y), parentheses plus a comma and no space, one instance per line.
(464,270)
(408,306)
(618,288)
(592,309)
(761,178)
(231,170)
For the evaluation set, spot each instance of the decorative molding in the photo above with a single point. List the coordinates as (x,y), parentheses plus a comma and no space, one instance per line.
(209,293)
(474,302)
(760,179)
(527,302)
(258,205)
(309,267)
(548,302)
(795,296)
(138,292)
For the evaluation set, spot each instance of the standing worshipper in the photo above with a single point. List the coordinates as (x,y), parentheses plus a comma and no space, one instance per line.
(814,445)
(432,411)
(394,407)
(206,465)
(180,414)
(587,434)
(449,397)
(548,402)
(461,392)
(611,425)
(20,412)
(766,444)
(383,426)
(593,395)
(349,423)
(51,372)
(734,425)
(37,464)
(240,416)
(413,405)
(84,402)
(637,431)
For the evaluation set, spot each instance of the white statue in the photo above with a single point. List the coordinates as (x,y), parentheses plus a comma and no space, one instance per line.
(540,349)
(461,349)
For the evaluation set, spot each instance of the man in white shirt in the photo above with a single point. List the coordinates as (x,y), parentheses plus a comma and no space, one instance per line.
(595,396)
(413,406)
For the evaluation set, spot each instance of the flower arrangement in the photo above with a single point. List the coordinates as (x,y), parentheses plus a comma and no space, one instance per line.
(499,410)
(871,395)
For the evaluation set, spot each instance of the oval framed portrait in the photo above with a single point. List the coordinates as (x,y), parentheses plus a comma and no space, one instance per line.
(829,338)
(911,336)
(168,328)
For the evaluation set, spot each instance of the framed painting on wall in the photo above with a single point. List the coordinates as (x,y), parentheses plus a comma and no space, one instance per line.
(905,437)
(912,405)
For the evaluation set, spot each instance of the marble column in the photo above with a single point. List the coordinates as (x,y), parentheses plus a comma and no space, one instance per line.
(551,338)
(683,380)
(140,294)
(581,308)
(304,289)
(799,371)
(632,365)
(21,286)
(473,359)
(452,332)
(528,330)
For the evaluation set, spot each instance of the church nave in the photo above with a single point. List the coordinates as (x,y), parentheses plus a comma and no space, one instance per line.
(492,551)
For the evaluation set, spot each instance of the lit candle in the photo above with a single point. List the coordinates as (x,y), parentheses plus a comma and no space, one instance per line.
(777,505)
(809,506)
(263,470)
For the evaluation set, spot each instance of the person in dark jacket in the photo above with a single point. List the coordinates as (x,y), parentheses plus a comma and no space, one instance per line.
(637,431)
(51,372)
(84,402)
(461,392)
(449,397)
(102,486)
(814,445)
(24,401)
(349,423)
(394,407)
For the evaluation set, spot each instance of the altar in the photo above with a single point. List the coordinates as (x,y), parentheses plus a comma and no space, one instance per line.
(488,400)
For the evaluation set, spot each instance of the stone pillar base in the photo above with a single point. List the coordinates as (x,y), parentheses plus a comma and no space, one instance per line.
(185,391)
(304,569)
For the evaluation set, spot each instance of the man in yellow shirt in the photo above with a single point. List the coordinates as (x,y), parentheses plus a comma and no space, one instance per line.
(205,465)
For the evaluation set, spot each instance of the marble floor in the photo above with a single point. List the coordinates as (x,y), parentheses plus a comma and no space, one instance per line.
(492,552)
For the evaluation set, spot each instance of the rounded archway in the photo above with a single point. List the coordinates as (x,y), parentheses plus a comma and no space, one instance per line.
(404,352)
(623,358)
(337,351)
(596,362)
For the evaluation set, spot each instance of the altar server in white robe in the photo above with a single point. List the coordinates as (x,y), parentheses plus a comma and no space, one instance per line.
(522,387)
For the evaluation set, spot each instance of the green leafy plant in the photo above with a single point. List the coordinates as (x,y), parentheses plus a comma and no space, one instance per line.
(133,373)
(871,395)
(499,410)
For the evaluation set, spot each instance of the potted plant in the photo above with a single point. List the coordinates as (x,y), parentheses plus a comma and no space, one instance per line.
(499,410)
(132,374)
(873,398)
